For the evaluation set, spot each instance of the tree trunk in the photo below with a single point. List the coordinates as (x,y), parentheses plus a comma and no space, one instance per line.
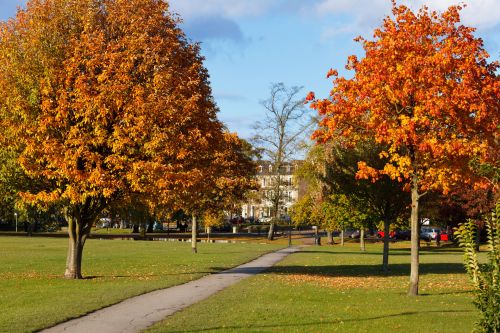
(415,238)
(289,235)
(194,227)
(143,230)
(80,218)
(30,229)
(78,232)
(362,239)
(478,237)
(74,259)
(385,256)
(342,238)
(270,235)
(329,236)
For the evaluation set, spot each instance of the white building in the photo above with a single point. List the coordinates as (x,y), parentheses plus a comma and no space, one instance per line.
(260,204)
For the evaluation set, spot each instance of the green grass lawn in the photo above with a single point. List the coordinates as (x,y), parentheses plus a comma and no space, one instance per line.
(34,295)
(339,289)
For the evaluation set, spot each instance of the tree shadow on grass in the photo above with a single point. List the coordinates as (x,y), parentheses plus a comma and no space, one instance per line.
(445,249)
(336,253)
(446,293)
(393,252)
(95,277)
(368,270)
(330,322)
(349,270)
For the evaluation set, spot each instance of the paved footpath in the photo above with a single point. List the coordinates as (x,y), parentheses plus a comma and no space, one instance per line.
(138,313)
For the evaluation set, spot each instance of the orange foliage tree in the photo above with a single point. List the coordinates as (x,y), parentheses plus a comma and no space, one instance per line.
(106,99)
(227,177)
(424,89)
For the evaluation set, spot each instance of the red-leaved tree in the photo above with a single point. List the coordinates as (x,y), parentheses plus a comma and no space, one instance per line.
(425,89)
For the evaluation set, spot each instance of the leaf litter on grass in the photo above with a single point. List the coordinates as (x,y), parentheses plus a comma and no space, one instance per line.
(429,283)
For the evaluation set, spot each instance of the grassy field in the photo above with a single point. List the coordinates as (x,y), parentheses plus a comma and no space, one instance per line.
(34,295)
(339,289)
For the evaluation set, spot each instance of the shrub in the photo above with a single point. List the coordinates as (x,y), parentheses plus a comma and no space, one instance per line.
(485,277)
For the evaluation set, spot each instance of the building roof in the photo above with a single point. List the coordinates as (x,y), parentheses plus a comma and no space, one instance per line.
(267,168)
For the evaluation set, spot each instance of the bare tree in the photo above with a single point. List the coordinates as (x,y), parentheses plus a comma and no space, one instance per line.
(279,137)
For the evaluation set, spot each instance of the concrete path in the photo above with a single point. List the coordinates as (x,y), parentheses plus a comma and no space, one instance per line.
(138,313)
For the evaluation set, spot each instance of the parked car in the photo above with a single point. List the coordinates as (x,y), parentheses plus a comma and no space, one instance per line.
(157,226)
(355,234)
(429,233)
(104,222)
(402,234)
(265,219)
(349,233)
(446,236)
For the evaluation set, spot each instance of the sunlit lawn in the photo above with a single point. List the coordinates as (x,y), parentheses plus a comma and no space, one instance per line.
(34,295)
(339,289)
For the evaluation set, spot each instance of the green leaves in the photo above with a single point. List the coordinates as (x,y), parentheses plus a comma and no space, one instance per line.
(485,277)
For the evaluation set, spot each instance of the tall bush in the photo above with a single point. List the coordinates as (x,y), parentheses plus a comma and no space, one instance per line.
(485,277)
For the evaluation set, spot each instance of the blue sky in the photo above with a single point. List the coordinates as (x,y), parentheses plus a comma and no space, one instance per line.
(249,44)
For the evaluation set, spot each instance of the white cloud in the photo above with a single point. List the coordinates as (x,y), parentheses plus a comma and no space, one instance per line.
(354,7)
(331,32)
(228,8)
(359,16)
(213,28)
(362,16)
(350,17)
(482,14)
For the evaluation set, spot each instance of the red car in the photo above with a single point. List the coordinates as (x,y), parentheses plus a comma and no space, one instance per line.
(445,237)
(381,234)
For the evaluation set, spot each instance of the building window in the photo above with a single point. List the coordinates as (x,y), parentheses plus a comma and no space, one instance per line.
(263,182)
(270,168)
(259,168)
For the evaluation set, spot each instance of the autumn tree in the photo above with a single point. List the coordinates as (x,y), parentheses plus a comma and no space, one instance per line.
(301,211)
(425,89)
(319,206)
(11,179)
(311,210)
(212,219)
(227,177)
(278,136)
(105,98)
(472,203)
(32,215)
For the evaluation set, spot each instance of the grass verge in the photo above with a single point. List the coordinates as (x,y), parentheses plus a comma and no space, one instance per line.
(339,289)
(33,294)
